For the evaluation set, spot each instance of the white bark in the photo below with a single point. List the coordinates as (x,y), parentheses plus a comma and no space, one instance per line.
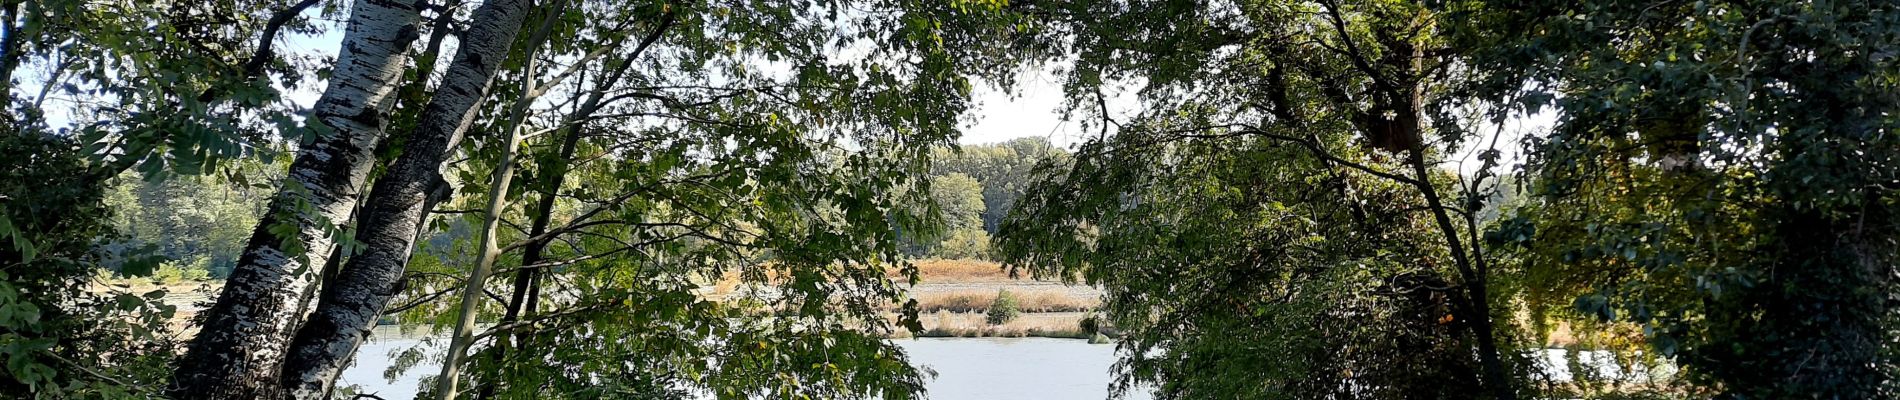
(238,351)
(393,215)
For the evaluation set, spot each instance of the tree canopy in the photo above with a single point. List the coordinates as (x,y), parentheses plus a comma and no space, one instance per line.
(722,198)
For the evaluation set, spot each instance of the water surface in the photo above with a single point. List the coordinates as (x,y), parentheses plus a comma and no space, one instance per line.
(967,368)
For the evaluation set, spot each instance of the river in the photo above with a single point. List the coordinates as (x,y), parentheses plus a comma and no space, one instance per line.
(967,368)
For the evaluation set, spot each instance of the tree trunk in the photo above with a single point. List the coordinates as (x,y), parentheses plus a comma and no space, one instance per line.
(1476,299)
(350,306)
(463,335)
(245,333)
(553,174)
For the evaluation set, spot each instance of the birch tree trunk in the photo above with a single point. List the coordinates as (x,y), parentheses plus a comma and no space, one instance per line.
(237,353)
(350,305)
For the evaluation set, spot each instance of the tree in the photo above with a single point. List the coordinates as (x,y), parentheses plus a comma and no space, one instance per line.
(1282,176)
(199,220)
(237,353)
(61,338)
(1720,174)
(349,304)
(169,87)
(706,109)
(1003,169)
(959,199)
(162,86)
(664,199)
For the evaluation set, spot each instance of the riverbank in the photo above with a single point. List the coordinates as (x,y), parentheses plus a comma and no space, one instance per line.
(954,297)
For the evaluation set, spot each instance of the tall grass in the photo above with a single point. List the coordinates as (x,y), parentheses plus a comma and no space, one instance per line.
(950,324)
(953,271)
(1028,300)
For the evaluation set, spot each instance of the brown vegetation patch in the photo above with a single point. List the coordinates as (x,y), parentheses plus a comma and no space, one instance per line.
(1029,300)
(954,271)
(1054,325)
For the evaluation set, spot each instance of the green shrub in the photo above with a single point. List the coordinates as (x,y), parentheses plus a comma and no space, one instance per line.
(1091,324)
(172,272)
(1004,309)
(196,274)
(168,273)
(964,244)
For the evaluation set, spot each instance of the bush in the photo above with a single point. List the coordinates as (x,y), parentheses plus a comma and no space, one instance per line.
(52,321)
(964,244)
(1091,324)
(168,273)
(196,274)
(1004,309)
(171,272)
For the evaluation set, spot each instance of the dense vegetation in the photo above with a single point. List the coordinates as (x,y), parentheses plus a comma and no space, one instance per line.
(1305,199)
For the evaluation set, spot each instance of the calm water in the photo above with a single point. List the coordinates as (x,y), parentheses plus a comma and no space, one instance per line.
(967,369)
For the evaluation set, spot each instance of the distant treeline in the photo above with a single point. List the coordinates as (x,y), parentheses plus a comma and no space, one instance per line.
(195,225)
(974,187)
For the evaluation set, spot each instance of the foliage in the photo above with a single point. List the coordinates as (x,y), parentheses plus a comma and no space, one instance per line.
(1004,309)
(751,145)
(973,188)
(173,272)
(167,86)
(60,338)
(1717,192)
(958,199)
(1300,275)
(1003,170)
(964,244)
(1720,175)
(201,221)
(1268,223)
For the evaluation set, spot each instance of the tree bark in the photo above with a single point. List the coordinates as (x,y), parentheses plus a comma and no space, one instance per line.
(350,306)
(246,331)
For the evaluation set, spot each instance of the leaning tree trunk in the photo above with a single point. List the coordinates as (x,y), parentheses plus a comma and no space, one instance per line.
(553,174)
(349,306)
(472,289)
(245,333)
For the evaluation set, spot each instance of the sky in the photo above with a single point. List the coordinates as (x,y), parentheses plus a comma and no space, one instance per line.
(1034,110)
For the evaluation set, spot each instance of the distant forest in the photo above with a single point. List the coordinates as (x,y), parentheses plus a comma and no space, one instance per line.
(194,227)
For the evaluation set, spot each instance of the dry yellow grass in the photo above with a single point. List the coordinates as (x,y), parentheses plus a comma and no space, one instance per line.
(932,271)
(957,271)
(1029,300)
(950,324)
